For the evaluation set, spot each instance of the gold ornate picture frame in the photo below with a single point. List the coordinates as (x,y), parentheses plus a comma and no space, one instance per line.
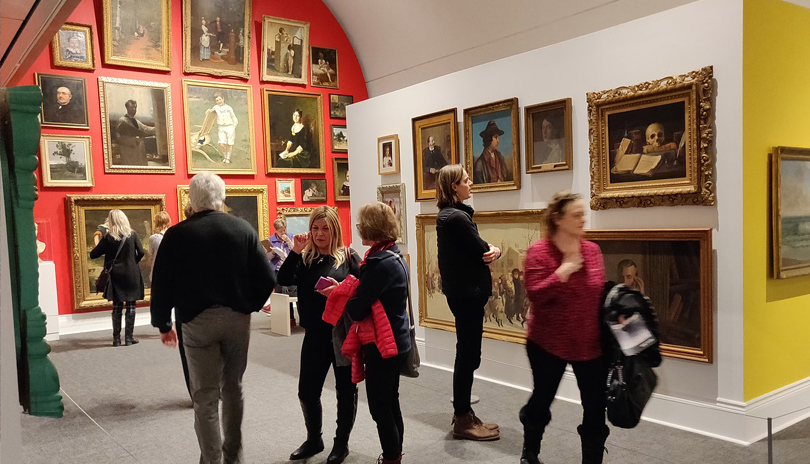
(549,137)
(142,142)
(281,144)
(650,143)
(86,213)
(144,42)
(393,195)
(388,154)
(72,47)
(442,129)
(790,210)
(285,190)
(64,101)
(66,160)
(492,131)
(217,37)
(514,231)
(296,217)
(673,268)
(249,202)
(340,179)
(324,67)
(285,50)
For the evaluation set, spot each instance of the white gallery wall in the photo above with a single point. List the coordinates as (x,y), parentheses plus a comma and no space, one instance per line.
(707,398)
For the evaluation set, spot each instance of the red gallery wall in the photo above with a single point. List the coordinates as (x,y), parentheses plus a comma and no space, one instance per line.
(324,31)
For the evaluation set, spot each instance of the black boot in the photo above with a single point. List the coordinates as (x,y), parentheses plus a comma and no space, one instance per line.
(347,411)
(532,436)
(116,326)
(130,327)
(313,418)
(593,444)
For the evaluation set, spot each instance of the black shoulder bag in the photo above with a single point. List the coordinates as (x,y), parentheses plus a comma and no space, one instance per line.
(412,362)
(104,277)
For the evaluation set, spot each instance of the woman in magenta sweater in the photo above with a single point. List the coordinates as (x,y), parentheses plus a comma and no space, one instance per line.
(564,279)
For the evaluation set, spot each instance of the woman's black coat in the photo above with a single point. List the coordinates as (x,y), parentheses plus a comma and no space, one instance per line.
(126,282)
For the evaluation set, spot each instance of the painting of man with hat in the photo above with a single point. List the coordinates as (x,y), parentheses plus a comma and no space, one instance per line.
(491,133)
(490,166)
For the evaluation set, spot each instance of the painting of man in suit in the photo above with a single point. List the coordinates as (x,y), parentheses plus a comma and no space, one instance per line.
(63,101)
(432,161)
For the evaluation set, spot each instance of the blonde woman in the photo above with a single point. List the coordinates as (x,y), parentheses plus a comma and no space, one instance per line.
(122,250)
(315,254)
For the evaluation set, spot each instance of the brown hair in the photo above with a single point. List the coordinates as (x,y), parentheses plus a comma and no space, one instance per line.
(556,210)
(161,222)
(447,177)
(330,215)
(376,222)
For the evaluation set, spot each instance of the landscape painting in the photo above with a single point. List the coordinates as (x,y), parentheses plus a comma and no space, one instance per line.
(66,161)
(790,206)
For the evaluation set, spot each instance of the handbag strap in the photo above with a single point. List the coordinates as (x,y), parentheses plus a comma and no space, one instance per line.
(120,246)
(408,276)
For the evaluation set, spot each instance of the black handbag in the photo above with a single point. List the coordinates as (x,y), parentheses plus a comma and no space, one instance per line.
(410,368)
(630,385)
(104,276)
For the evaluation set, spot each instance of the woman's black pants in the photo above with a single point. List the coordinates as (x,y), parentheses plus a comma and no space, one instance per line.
(469,315)
(382,389)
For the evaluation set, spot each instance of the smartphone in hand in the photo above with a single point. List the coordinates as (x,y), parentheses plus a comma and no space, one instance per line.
(323,283)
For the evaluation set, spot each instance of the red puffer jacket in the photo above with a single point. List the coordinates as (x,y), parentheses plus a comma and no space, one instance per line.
(375,329)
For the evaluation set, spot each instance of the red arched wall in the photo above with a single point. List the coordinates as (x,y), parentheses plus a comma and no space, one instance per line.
(324,31)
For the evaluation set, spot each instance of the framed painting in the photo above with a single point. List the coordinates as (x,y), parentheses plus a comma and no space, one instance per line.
(285,50)
(64,101)
(388,154)
(324,67)
(293,132)
(505,312)
(650,143)
(313,190)
(337,105)
(296,217)
(248,202)
(435,144)
(673,268)
(285,190)
(340,174)
(494,166)
(219,127)
(340,139)
(136,125)
(790,208)
(67,161)
(137,33)
(393,195)
(87,213)
(216,37)
(549,140)
(72,46)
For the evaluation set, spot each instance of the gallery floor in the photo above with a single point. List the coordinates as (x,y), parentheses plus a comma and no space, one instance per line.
(129,405)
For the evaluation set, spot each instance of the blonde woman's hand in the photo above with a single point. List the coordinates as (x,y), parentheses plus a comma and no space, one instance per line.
(299,242)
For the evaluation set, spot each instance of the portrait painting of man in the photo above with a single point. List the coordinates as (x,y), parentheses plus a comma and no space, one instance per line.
(435,145)
(64,101)
(491,143)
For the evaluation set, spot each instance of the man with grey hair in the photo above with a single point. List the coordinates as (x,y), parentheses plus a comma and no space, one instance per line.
(213,271)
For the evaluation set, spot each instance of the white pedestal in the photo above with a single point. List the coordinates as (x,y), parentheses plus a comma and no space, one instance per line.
(47,298)
(280,313)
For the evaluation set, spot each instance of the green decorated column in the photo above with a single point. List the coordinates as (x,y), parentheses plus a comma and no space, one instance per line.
(38,379)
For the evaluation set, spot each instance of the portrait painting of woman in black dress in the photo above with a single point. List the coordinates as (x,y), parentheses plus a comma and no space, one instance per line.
(297,147)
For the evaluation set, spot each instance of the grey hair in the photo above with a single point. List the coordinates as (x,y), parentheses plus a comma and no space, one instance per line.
(206,191)
(279,223)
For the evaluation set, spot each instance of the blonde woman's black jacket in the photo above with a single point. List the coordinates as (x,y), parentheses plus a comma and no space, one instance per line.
(461,254)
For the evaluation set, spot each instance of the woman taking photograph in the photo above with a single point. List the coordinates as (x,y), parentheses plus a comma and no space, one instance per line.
(122,250)
(383,278)
(467,285)
(565,276)
(320,253)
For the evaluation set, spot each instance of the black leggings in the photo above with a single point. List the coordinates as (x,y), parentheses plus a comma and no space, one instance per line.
(382,389)
(469,315)
(547,371)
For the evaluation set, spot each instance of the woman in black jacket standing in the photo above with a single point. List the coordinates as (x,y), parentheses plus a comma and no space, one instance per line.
(467,285)
(125,286)
(320,253)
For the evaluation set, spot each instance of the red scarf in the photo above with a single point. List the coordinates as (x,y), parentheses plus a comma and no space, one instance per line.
(379,246)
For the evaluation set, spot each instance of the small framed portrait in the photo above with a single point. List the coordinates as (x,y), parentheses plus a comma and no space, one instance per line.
(492,146)
(340,172)
(393,195)
(136,125)
(337,105)
(650,143)
(285,190)
(388,154)
(673,268)
(296,217)
(285,50)
(324,67)
(293,132)
(790,207)
(137,33)
(219,127)
(549,142)
(248,202)
(67,161)
(72,47)
(435,145)
(340,139)
(64,101)
(313,190)
(216,37)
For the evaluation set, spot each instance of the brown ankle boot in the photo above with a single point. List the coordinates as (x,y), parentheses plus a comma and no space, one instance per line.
(467,427)
(485,424)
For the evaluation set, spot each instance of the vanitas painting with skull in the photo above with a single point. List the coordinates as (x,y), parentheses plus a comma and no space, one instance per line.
(648,143)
